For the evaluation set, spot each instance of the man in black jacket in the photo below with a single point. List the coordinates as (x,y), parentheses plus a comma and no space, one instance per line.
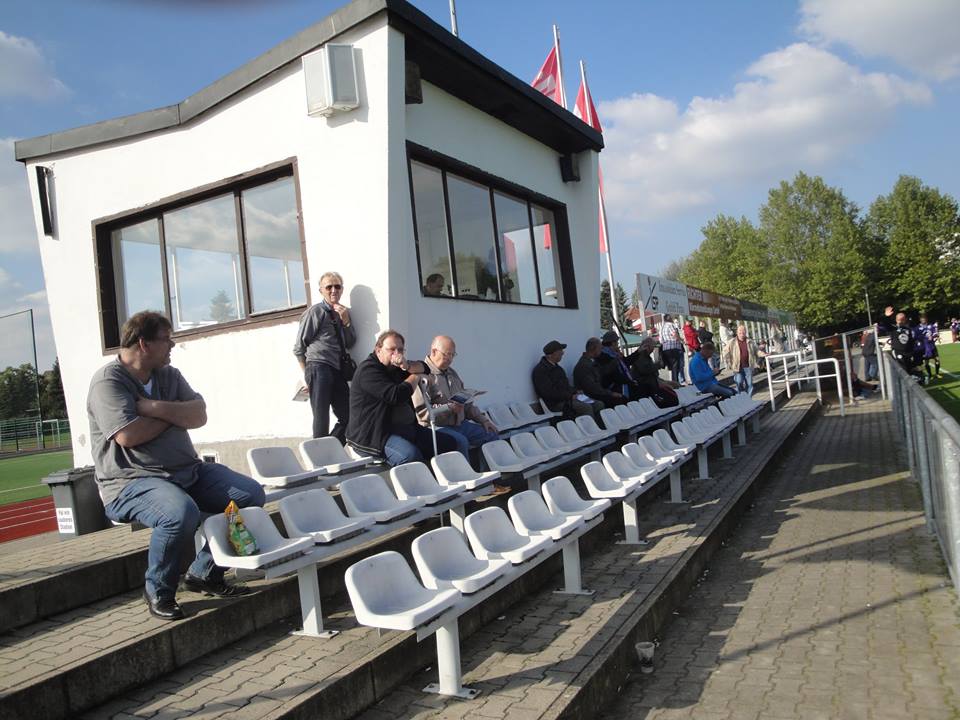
(586,375)
(903,342)
(383,421)
(551,385)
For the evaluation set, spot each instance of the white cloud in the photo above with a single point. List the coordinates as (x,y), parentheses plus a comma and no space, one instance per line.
(25,72)
(38,296)
(18,234)
(800,108)
(921,36)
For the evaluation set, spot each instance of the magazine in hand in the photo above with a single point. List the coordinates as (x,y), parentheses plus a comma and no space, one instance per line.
(302,393)
(466,396)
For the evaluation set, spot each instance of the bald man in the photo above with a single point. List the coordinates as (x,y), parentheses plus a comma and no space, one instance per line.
(464,422)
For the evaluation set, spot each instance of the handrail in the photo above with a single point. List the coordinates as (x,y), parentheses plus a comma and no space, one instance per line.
(816,374)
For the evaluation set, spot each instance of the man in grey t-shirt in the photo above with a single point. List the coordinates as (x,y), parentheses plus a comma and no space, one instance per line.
(140,410)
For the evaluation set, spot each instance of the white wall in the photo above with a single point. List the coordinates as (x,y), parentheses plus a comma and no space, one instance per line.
(357,220)
(497,345)
(247,377)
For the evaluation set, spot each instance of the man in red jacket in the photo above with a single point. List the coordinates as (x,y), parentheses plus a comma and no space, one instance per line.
(690,336)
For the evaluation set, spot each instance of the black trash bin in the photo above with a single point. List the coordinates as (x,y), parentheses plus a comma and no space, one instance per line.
(79,508)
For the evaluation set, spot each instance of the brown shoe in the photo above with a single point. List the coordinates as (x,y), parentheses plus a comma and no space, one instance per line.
(500,490)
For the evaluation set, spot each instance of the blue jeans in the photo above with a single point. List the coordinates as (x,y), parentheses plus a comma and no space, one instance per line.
(174,514)
(399,450)
(744,379)
(468,434)
(720,390)
(871,371)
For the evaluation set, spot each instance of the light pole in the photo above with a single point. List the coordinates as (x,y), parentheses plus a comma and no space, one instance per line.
(867,296)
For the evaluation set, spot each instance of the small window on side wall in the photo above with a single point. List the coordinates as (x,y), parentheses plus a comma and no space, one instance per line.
(223,255)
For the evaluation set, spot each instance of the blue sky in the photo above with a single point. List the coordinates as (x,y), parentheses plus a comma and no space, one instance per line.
(705,105)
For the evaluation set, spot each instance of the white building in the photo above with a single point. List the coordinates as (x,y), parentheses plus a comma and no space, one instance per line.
(225,209)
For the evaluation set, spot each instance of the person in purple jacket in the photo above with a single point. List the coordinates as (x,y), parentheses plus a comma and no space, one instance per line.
(929,337)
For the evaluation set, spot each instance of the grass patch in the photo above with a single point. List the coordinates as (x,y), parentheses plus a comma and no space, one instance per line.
(946,390)
(20,477)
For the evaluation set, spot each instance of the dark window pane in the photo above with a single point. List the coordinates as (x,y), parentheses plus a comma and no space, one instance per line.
(431,223)
(203,263)
(273,246)
(136,254)
(474,253)
(548,257)
(516,256)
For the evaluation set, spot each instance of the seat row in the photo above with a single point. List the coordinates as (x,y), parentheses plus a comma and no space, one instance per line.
(319,458)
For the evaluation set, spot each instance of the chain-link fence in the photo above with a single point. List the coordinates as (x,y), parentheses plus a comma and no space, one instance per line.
(932,438)
(28,434)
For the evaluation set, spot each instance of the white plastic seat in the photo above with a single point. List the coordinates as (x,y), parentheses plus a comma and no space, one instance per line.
(525,414)
(668,443)
(589,427)
(639,411)
(686,434)
(278,466)
(600,484)
(527,447)
(627,418)
(638,455)
(531,516)
(444,561)
(385,593)
(654,410)
(493,536)
(563,499)
(500,456)
(369,496)
(501,417)
(611,420)
(329,455)
(550,439)
(453,469)
(657,452)
(547,412)
(622,470)
(315,514)
(273,548)
(414,480)
(571,433)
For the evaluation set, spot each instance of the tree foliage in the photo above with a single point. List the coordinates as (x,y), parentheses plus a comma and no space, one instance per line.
(812,254)
(623,304)
(18,392)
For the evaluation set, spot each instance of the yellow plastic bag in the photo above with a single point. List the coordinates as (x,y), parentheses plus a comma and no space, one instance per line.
(240,538)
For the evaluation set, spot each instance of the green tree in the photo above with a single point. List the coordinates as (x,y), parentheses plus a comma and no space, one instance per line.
(675,268)
(623,304)
(731,259)
(18,392)
(817,252)
(51,393)
(221,309)
(917,230)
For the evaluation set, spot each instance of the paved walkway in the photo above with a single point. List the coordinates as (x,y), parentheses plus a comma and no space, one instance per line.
(830,600)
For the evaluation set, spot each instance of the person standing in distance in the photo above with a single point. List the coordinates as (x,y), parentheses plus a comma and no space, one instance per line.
(324,335)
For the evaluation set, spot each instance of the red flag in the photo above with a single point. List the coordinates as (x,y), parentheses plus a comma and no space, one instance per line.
(547,240)
(585,109)
(547,80)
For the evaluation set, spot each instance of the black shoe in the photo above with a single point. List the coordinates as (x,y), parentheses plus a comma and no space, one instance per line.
(163,607)
(218,588)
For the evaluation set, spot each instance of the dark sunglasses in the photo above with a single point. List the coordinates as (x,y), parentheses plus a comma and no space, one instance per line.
(333,287)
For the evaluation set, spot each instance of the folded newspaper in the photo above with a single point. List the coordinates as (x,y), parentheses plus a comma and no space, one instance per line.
(465,396)
(302,393)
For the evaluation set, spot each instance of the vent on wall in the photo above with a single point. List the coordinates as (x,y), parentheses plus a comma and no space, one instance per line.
(331,80)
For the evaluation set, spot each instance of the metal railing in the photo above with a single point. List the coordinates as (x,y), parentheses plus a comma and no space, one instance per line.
(792,363)
(846,347)
(28,434)
(932,438)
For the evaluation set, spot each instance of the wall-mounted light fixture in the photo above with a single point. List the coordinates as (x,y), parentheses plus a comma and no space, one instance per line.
(43,177)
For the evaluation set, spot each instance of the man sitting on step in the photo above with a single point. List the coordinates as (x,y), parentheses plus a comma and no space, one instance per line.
(140,409)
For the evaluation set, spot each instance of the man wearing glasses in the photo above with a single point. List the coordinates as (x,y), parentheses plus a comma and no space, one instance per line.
(324,335)
(454,412)
(140,409)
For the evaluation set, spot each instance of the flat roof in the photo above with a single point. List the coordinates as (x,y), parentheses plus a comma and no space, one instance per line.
(444,60)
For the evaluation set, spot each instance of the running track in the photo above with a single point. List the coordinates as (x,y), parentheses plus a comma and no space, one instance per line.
(30,517)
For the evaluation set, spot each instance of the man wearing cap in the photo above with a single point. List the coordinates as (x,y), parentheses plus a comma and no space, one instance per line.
(551,384)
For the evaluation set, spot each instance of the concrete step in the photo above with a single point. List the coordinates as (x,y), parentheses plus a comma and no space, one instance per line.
(271,674)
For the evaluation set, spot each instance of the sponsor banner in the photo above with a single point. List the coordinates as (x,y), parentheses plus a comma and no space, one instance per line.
(703,303)
(753,311)
(659,295)
(729,308)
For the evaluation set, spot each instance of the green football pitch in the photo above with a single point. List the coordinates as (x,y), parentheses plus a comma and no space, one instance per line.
(21,476)
(946,390)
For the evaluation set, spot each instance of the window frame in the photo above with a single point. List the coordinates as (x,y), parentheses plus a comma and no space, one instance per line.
(565,275)
(106,266)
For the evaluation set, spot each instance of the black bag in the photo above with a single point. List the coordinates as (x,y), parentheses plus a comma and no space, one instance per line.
(348,365)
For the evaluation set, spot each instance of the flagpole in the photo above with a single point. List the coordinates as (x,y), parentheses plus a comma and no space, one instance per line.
(453,18)
(556,46)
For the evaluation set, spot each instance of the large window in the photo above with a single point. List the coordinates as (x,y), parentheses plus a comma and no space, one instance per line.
(481,238)
(226,254)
